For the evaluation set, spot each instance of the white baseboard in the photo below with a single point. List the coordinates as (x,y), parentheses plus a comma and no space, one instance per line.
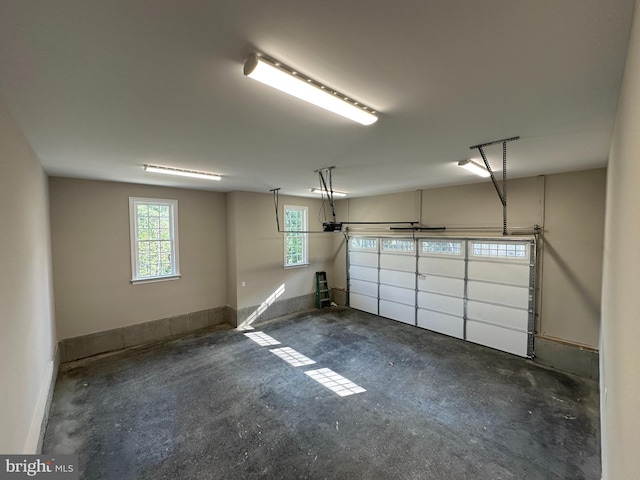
(33,445)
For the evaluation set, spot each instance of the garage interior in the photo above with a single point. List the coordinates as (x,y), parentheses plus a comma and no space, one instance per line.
(478,327)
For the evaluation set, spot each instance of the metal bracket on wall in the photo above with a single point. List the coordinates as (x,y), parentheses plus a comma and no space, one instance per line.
(502,193)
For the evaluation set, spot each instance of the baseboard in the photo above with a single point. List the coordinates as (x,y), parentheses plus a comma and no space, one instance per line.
(339,296)
(568,357)
(50,389)
(35,436)
(138,334)
(257,313)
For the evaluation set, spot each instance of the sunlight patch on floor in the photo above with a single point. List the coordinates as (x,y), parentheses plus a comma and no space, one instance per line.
(262,339)
(335,382)
(292,357)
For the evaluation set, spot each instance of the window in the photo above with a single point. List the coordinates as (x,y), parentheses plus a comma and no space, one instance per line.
(442,247)
(393,245)
(154,239)
(506,250)
(295,242)
(360,243)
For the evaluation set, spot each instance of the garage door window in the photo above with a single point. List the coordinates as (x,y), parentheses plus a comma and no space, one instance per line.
(370,244)
(398,245)
(442,247)
(502,249)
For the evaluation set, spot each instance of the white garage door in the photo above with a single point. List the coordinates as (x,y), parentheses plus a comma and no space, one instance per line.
(441,282)
(499,299)
(398,279)
(363,274)
(480,290)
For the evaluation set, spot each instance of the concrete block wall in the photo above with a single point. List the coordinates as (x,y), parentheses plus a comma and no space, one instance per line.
(137,334)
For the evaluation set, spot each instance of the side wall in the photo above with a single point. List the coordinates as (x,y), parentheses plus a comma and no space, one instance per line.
(620,359)
(92,257)
(27,343)
(569,207)
(259,278)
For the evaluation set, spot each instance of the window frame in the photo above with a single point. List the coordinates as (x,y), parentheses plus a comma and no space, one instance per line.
(442,252)
(304,236)
(134,202)
(387,247)
(499,250)
(361,248)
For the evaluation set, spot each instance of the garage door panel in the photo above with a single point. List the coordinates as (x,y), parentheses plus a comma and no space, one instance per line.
(398,311)
(449,267)
(397,294)
(497,314)
(365,259)
(441,303)
(500,272)
(503,294)
(406,263)
(364,273)
(441,323)
(499,338)
(478,291)
(400,279)
(366,288)
(364,303)
(444,285)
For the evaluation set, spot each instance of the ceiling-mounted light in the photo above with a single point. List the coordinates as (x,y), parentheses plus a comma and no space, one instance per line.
(474,167)
(182,172)
(287,80)
(324,192)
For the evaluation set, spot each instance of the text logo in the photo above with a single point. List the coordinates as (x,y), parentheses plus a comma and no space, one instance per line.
(50,467)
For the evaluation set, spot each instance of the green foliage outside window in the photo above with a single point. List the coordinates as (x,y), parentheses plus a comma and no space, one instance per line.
(295,222)
(154,240)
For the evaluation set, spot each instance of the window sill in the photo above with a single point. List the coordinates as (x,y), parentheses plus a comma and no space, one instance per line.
(136,281)
(299,265)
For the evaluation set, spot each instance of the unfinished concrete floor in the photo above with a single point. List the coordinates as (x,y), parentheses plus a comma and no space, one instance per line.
(219,406)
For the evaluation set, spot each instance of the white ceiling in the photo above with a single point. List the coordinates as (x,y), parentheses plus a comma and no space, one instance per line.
(100,88)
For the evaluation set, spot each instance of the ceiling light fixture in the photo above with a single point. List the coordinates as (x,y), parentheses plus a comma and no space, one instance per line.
(474,167)
(287,80)
(182,172)
(324,192)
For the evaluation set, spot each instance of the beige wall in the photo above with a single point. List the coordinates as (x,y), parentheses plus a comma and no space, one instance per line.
(232,251)
(259,250)
(27,343)
(478,205)
(619,357)
(570,208)
(92,256)
(394,207)
(572,256)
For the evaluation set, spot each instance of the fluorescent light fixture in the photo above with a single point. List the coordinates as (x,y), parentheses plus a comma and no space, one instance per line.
(324,192)
(289,81)
(474,167)
(182,172)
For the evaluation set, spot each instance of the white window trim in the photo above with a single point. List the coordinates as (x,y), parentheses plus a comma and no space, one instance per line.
(133,229)
(441,254)
(387,251)
(305,237)
(354,248)
(506,258)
